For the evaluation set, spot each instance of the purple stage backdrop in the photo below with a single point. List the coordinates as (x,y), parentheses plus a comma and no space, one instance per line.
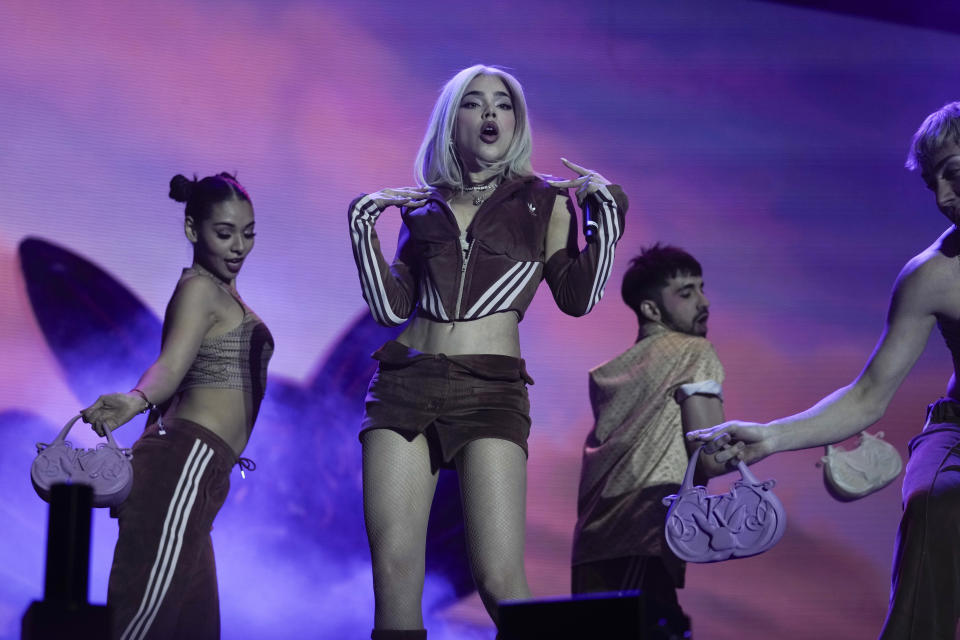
(766,139)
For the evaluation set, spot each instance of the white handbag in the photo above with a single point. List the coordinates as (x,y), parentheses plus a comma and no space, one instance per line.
(872,465)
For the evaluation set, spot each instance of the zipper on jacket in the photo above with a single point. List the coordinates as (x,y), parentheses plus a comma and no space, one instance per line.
(465,248)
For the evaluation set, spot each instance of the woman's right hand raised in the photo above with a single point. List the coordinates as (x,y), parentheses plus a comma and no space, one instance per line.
(400,197)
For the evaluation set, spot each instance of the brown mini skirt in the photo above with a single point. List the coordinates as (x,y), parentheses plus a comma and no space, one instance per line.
(452,400)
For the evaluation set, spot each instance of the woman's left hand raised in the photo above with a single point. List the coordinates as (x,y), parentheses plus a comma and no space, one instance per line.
(586,182)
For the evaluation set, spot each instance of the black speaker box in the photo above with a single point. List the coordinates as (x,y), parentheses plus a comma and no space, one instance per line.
(64,611)
(626,615)
(59,621)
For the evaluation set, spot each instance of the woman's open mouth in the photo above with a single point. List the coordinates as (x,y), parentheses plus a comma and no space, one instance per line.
(489,133)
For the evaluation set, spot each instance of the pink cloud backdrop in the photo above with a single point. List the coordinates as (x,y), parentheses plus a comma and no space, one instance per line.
(767,140)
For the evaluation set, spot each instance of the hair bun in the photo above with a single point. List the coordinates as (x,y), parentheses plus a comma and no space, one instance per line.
(181,187)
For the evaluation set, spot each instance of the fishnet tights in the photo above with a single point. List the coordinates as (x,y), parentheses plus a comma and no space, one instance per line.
(493,488)
(398,489)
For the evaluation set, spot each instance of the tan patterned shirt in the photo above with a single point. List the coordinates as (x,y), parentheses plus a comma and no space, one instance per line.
(636,454)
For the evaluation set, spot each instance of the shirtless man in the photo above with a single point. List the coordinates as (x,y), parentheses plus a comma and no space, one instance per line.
(925,592)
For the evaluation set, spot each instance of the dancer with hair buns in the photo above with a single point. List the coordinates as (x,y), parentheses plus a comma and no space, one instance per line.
(203,394)
(479,232)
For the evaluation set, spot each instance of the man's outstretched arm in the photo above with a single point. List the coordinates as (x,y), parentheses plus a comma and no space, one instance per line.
(856,406)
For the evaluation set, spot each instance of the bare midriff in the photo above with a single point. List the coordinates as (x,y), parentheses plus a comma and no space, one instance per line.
(225,412)
(497,334)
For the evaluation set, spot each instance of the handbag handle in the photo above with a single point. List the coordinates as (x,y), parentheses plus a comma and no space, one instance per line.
(66,429)
(742,467)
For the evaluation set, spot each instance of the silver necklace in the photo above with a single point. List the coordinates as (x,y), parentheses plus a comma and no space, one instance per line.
(480,189)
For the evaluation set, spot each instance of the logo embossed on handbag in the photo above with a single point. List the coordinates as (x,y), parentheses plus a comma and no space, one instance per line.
(105,468)
(746,521)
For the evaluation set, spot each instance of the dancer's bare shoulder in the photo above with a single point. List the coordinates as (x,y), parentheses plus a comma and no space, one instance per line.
(930,281)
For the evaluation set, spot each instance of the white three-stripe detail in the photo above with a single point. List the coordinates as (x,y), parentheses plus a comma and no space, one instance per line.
(363,215)
(516,278)
(608,234)
(171,541)
(430,299)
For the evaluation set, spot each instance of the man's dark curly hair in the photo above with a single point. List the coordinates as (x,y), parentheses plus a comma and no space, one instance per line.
(649,272)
